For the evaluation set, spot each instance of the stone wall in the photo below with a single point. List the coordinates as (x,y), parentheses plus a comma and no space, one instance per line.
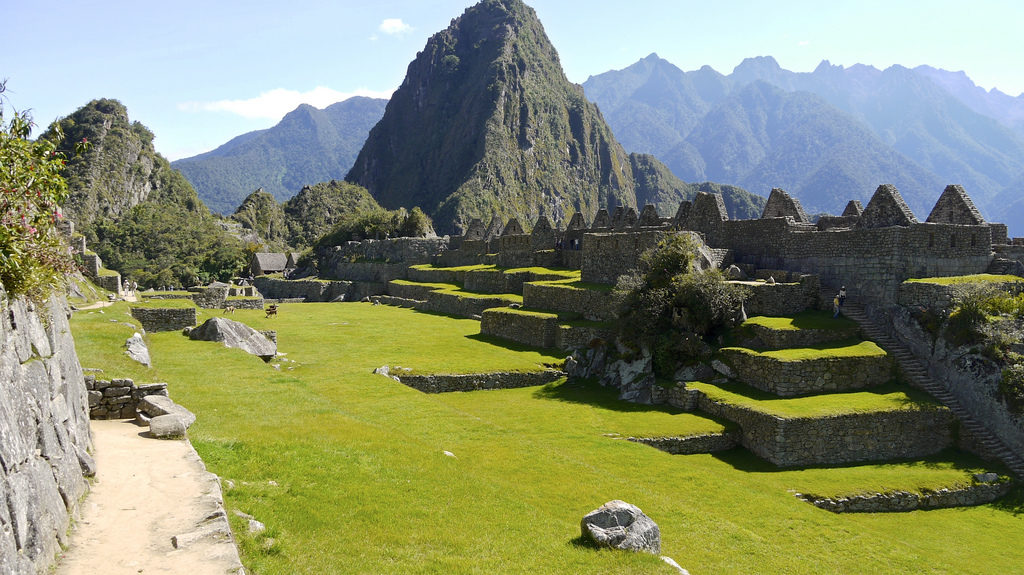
(570,337)
(606,256)
(111,283)
(395,250)
(781,299)
(870,262)
(307,289)
(592,304)
(970,495)
(164,319)
(806,376)
(245,302)
(707,443)
(478,381)
(906,434)
(768,338)
(964,372)
(44,433)
(461,305)
(212,296)
(939,297)
(118,398)
(528,328)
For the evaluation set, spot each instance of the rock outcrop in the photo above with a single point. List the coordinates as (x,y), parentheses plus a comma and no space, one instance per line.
(235,334)
(44,433)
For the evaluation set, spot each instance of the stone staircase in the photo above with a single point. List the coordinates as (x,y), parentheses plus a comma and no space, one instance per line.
(917,375)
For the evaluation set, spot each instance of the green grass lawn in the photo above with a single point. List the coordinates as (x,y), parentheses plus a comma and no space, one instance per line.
(811,319)
(347,468)
(172,303)
(825,350)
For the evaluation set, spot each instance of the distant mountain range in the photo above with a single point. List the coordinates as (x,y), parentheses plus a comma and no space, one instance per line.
(825,136)
(306,147)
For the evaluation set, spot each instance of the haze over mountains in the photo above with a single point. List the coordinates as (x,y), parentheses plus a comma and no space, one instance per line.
(486,124)
(307,146)
(825,136)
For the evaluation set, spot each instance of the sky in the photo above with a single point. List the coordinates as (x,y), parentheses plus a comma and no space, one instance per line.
(200,72)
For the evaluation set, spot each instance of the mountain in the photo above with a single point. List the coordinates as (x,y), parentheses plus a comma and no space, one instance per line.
(795,140)
(486,123)
(302,219)
(1006,109)
(307,146)
(911,117)
(140,215)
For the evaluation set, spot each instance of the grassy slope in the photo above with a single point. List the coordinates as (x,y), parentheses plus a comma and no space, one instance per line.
(976,278)
(362,485)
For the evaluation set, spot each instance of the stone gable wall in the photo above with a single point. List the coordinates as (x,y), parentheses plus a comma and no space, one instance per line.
(308,290)
(870,262)
(44,427)
(782,298)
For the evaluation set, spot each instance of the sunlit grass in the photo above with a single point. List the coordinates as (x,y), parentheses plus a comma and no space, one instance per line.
(889,397)
(974,278)
(822,351)
(347,469)
(813,319)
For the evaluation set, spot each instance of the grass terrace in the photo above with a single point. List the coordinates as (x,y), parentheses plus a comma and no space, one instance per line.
(975,278)
(890,397)
(347,468)
(829,350)
(813,319)
(169,303)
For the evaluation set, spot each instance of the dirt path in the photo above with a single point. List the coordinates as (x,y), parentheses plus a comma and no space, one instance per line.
(147,492)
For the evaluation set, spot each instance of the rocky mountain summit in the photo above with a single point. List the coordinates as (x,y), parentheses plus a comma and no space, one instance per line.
(486,124)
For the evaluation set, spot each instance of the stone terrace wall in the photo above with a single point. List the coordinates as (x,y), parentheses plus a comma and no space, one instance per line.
(165,319)
(44,433)
(591,304)
(940,297)
(840,439)
(781,299)
(606,256)
(870,262)
(478,381)
(977,494)
(769,338)
(791,378)
(460,305)
(533,329)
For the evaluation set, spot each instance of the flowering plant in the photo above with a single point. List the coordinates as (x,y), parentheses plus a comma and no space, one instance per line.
(33,257)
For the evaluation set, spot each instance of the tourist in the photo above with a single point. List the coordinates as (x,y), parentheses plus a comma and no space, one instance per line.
(835,306)
(842,296)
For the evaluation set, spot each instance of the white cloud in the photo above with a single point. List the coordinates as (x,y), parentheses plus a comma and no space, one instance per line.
(394,26)
(803,42)
(273,105)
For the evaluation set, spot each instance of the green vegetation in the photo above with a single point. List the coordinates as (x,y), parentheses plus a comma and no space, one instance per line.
(378,224)
(884,398)
(33,257)
(526,312)
(811,319)
(673,308)
(337,440)
(141,217)
(829,350)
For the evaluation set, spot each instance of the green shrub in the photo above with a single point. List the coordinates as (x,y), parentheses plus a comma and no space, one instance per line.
(673,308)
(1011,385)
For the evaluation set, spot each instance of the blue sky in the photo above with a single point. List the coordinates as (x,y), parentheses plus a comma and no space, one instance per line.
(198,73)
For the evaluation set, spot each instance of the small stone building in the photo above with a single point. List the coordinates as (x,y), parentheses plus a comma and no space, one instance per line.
(268,263)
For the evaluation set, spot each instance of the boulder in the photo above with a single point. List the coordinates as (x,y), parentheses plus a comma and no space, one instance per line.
(235,334)
(171,426)
(734,272)
(154,406)
(137,349)
(621,525)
